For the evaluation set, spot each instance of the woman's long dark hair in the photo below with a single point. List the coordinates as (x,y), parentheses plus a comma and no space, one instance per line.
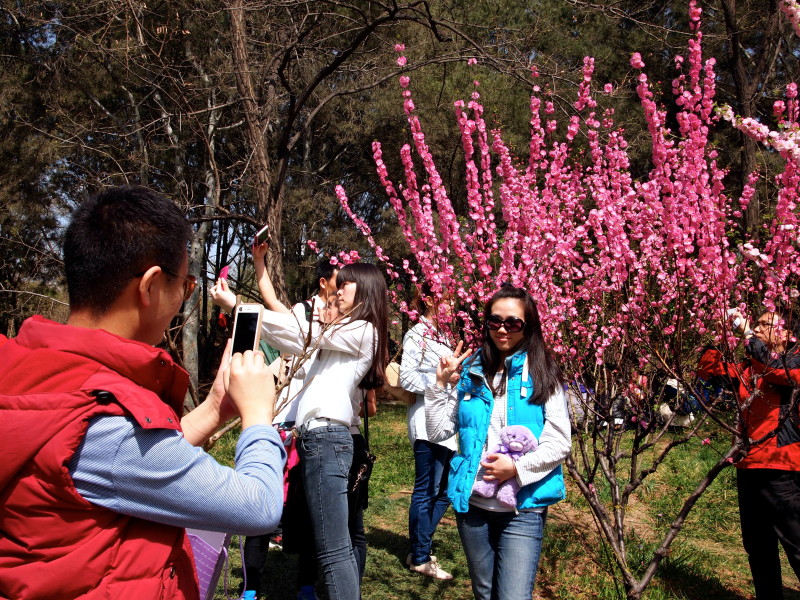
(370,304)
(543,368)
(422,292)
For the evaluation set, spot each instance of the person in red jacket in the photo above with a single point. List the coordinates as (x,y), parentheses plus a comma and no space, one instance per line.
(99,473)
(768,475)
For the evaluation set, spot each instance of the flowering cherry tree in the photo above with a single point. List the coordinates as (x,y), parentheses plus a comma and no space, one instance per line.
(630,276)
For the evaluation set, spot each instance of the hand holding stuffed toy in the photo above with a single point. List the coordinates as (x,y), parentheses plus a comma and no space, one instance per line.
(515,441)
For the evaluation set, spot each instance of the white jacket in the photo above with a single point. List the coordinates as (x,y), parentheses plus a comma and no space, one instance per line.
(344,354)
(422,349)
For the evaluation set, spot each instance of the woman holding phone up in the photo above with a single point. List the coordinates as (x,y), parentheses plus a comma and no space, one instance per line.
(511,380)
(352,354)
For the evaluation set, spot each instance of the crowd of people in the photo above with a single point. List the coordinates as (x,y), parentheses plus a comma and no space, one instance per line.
(103,473)
(345,350)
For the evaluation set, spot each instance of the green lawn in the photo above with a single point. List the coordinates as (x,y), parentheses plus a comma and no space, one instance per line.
(707,561)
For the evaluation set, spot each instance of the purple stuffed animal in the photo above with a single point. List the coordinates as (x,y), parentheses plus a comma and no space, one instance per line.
(515,441)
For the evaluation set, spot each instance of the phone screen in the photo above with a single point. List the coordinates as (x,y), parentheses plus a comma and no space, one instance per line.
(246,332)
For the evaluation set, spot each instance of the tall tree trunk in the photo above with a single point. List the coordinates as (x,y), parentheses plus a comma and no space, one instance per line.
(197,252)
(269,200)
(747,87)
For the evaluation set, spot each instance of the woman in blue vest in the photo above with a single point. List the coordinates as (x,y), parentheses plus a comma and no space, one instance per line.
(511,380)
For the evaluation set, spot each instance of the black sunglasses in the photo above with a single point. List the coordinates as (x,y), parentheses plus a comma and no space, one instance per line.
(511,324)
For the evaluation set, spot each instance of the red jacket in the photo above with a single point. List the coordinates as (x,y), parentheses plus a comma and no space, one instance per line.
(774,381)
(53,543)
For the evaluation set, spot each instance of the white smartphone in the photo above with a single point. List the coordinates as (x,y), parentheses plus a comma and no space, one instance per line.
(247,327)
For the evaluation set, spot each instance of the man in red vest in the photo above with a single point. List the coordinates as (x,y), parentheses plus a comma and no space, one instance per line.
(99,473)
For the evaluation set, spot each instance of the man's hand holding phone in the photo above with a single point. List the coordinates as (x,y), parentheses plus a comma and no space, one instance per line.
(250,387)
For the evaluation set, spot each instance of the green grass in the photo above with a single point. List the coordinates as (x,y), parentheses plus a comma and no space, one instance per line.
(706,561)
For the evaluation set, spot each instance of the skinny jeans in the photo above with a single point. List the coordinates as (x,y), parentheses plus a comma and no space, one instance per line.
(429,499)
(326,455)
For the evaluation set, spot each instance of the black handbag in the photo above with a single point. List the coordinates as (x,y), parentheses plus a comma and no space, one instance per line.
(365,460)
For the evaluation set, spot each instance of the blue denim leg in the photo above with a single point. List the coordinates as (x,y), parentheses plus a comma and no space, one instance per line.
(429,499)
(480,550)
(502,550)
(326,454)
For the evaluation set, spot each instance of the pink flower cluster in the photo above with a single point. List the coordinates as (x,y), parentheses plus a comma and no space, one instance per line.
(612,262)
(345,258)
(791,8)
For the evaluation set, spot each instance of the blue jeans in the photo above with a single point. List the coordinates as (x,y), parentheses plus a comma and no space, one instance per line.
(326,454)
(502,550)
(429,499)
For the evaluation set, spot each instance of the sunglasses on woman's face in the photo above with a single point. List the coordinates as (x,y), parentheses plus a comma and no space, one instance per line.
(511,324)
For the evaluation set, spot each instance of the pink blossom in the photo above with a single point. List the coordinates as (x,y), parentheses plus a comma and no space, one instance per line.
(401,61)
(694,11)
(609,258)
(791,9)
(636,61)
(399,47)
(472,61)
(404,81)
(706,442)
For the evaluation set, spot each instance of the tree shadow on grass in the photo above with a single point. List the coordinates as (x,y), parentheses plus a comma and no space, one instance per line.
(572,562)
(685,581)
(387,575)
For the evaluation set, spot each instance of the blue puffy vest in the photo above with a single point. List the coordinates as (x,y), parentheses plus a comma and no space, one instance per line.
(475,402)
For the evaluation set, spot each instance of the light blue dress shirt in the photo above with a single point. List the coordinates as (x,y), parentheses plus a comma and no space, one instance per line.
(155,474)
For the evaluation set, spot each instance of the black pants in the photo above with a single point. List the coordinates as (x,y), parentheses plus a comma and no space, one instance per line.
(769,510)
(356,503)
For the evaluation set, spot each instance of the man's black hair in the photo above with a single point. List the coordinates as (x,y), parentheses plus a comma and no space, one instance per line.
(115,235)
(324,270)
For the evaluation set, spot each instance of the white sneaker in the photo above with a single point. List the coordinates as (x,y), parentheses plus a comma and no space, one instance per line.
(430,568)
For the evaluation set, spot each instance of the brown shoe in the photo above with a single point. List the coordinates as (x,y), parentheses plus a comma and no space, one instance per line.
(430,568)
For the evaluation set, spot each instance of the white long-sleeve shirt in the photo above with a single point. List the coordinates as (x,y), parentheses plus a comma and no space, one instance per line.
(344,354)
(422,349)
(289,395)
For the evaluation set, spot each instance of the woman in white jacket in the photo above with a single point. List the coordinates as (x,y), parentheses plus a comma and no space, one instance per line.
(351,355)
(423,346)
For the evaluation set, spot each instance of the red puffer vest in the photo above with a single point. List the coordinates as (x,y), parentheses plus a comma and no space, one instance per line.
(53,543)
(775,381)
